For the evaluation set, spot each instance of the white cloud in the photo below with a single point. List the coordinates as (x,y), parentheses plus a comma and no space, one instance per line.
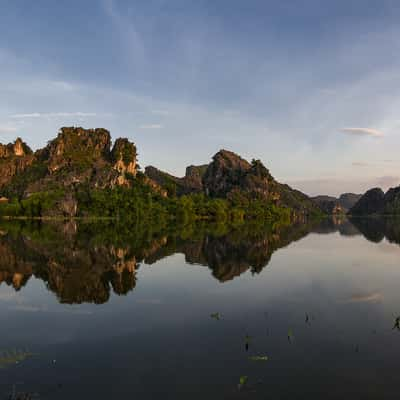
(151,126)
(363,131)
(53,115)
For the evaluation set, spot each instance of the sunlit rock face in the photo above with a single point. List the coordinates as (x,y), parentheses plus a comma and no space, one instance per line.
(124,160)
(14,159)
(16,149)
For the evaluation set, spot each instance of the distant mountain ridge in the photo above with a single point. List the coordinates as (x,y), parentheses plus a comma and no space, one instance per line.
(333,205)
(376,202)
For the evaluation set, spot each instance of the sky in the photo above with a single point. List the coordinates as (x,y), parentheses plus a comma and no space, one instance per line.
(310,87)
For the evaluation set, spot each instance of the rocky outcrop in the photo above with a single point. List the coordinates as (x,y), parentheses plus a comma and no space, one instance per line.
(372,202)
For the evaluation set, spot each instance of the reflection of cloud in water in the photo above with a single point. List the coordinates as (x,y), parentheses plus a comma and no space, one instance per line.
(375,297)
(45,309)
(149,301)
(9,296)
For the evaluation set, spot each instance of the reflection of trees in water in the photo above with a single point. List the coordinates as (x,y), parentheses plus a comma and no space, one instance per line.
(83,264)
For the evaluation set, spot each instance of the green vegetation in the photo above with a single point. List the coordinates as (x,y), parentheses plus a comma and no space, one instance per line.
(20,182)
(141,203)
(34,206)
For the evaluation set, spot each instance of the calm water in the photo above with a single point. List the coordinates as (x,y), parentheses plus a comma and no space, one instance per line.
(93,312)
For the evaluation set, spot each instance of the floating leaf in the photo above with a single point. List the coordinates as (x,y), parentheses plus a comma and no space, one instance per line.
(215,316)
(243,380)
(13,356)
(258,358)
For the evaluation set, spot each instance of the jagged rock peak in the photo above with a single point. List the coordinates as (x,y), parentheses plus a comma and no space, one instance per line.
(230,159)
(229,172)
(18,149)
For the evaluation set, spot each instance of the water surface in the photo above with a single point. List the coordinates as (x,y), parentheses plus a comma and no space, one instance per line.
(98,312)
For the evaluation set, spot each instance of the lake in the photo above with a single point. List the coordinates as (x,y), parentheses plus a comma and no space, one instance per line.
(200,312)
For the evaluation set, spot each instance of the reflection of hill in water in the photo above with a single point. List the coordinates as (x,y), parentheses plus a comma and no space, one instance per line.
(336,224)
(376,229)
(76,273)
(85,263)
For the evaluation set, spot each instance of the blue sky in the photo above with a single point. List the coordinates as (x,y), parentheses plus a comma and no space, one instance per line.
(312,88)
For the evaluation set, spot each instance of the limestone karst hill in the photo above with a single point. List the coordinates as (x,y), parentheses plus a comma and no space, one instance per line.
(85,161)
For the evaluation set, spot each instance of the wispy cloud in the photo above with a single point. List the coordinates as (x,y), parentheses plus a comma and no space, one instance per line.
(160,112)
(360,164)
(363,131)
(53,115)
(335,187)
(7,129)
(151,126)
